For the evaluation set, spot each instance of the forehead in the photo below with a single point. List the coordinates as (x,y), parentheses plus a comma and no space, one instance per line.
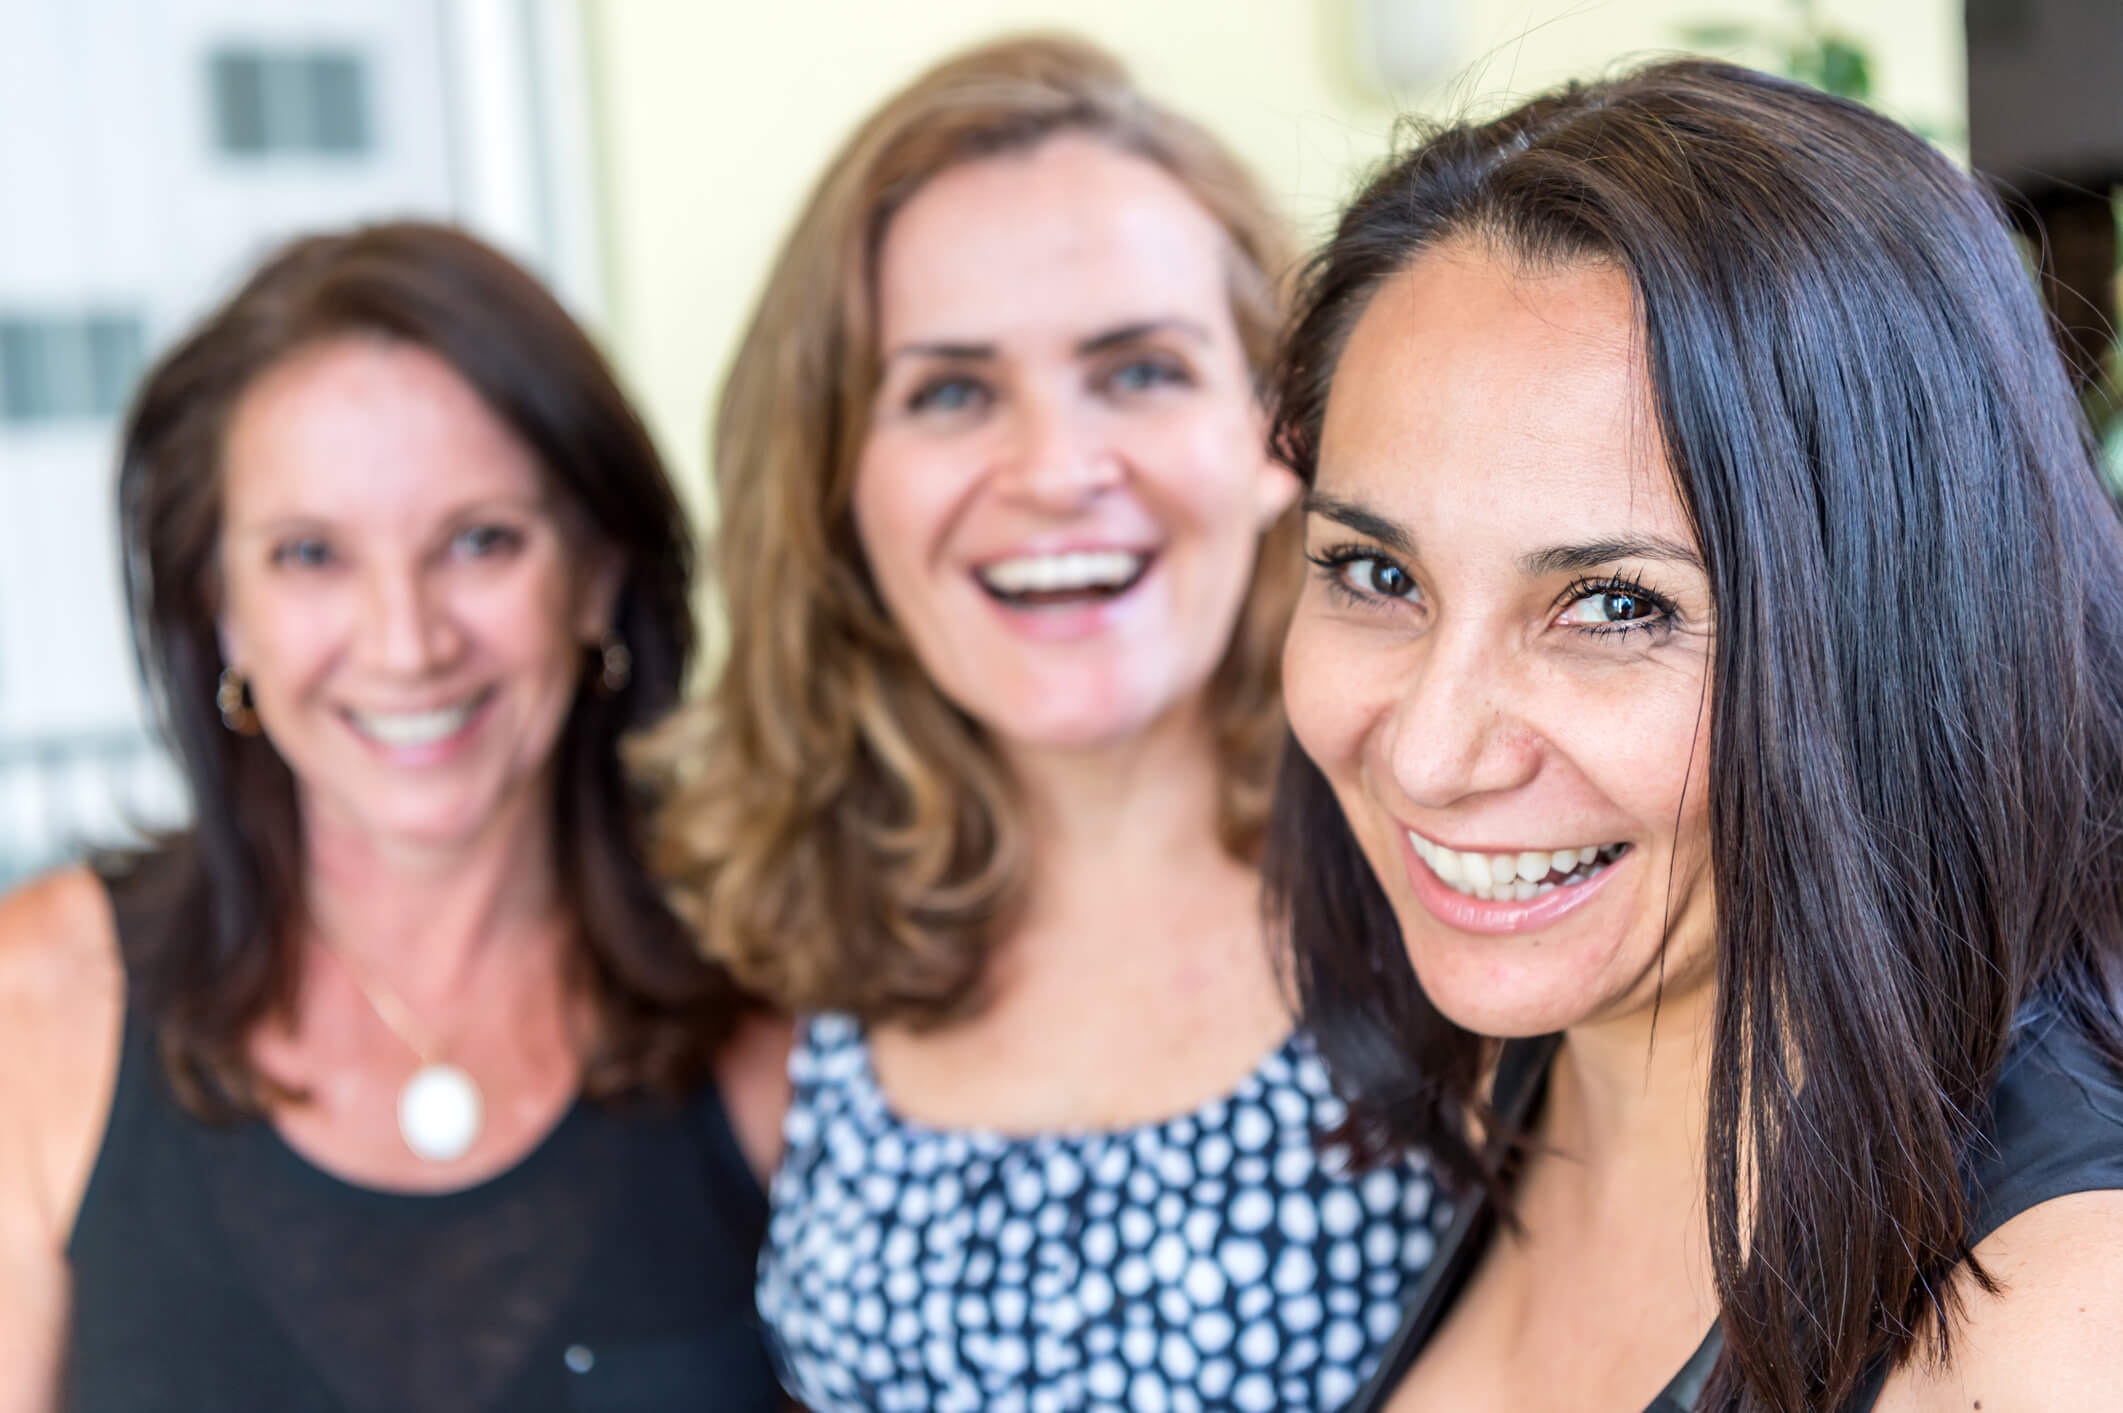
(1069,236)
(1505,401)
(362,427)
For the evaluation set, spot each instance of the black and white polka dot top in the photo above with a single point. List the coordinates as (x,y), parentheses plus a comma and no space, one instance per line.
(1217,1260)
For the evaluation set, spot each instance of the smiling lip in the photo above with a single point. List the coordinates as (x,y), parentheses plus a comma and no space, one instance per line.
(1499,917)
(1070,592)
(424,737)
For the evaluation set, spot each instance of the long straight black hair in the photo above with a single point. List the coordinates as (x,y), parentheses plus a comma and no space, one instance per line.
(1916,714)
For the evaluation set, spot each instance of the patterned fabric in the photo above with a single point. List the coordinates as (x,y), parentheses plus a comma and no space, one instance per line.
(1217,1260)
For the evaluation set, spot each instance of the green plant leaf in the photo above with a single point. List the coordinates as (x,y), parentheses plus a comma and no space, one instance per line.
(1845,71)
(1720,34)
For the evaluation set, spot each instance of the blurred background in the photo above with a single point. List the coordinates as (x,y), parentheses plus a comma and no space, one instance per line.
(645,156)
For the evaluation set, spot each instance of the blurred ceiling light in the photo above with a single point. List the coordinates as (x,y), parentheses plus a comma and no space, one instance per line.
(1406,44)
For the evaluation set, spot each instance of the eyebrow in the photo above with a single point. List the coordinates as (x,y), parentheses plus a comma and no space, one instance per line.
(521,503)
(1089,347)
(1576,559)
(1387,532)
(1557,559)
(1135,333)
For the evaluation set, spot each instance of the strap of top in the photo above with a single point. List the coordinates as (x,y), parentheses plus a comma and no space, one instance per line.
(2054,1127)
(1685,1389)
(1521,1080)
(132,1127)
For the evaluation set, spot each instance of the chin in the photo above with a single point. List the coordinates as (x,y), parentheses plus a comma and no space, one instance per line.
(1509,987)
(422,818)
(1066,717)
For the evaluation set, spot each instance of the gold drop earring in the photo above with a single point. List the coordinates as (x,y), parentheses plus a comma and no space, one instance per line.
(233,696)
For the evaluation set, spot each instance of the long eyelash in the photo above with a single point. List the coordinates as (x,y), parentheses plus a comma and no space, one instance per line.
(1624,583)
(1329,563)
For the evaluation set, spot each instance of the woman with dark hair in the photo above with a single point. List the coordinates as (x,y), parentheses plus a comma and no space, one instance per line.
(981,783)
(1711,701)
(392,1083)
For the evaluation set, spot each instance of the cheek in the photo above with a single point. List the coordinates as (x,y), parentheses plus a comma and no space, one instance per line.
(1204,471)
(1324,691)
(905,495)
(1647,753)
(527,619)
(280,634)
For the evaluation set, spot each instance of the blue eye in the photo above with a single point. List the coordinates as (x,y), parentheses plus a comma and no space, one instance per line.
(303,553)
(957,393)
(481,541)
(1143,374)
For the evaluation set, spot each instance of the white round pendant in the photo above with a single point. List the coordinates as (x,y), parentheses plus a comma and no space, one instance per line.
(439,1113)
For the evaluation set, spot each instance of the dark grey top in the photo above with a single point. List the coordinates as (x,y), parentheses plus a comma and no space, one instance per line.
(2054,1127)
(216,1270)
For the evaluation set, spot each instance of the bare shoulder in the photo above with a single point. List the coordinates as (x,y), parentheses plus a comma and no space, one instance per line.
(2046,1339)
(62,1001)
(753,1075)
(58,950)
(62,997)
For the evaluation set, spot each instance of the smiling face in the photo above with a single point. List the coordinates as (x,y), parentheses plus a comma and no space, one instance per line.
(1501,663)
(1064,480)
(399,591)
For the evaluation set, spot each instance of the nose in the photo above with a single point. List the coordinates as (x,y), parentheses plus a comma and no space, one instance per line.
(406,631)
(1455,733)
(1056,458)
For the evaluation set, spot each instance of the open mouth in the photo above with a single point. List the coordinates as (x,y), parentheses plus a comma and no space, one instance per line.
(417,728)
(1068,580)
(1519,877)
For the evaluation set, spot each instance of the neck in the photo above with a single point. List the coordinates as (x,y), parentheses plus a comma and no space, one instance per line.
(1106,816)
(432,920)
(1628,1095)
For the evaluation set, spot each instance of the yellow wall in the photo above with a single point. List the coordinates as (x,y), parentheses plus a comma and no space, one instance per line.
(715,115)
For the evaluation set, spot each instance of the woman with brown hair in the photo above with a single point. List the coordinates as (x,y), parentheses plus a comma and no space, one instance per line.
(391,1084)
(980,785)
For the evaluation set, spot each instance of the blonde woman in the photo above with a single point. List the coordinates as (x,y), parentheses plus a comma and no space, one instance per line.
(981,784)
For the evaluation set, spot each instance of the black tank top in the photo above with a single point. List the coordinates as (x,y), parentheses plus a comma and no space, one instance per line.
(2054,1127)
(610,1271)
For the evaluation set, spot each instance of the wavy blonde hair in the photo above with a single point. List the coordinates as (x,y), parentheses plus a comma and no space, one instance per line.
(843,836)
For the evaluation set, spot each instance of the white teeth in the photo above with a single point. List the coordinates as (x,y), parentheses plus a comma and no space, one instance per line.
(414,728)
(1518,877)
(1063,573)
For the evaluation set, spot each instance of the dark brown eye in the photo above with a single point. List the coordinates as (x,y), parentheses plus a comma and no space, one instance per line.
(1624,608)
(1613,606)
(1389,579)
(1379,578)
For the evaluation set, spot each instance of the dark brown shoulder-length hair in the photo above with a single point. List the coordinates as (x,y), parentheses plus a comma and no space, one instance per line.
(215,913)
(1916,711)
(841,834)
